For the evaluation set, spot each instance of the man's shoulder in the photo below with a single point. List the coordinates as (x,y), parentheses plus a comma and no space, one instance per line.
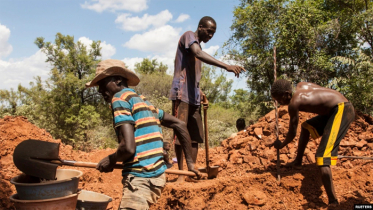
(187,33)
(124,93)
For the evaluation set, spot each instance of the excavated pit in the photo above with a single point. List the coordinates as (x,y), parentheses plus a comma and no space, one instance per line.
(247,174)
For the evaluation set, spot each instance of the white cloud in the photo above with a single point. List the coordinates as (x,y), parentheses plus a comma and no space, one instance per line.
(162,40)
(182,18)
(107,50)
(5,47)
(211,50)
(129,23)
(115,5)
(23,71)
(130,62)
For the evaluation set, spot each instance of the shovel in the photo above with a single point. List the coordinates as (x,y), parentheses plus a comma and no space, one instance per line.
(355,157)
(212,171)
(41,159)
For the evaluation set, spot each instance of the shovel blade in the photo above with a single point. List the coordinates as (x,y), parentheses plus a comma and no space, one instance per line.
(211,173)
(28,157)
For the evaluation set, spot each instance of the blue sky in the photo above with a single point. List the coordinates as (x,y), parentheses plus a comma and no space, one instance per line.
(129,30)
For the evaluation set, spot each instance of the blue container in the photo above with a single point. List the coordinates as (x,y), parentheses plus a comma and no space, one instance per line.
(32,189)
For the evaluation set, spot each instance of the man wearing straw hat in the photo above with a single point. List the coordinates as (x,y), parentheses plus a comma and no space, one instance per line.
(137,125)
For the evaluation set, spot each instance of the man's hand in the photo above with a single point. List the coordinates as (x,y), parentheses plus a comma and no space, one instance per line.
(105,165)
(277,144)
(191,168)
(235,69)
(204,100)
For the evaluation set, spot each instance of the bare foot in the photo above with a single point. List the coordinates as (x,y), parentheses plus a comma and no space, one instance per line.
(295,164)
(181,178)
(333,205)
(188,179)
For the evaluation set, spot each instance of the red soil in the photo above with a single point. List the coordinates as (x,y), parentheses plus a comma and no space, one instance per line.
(247,177)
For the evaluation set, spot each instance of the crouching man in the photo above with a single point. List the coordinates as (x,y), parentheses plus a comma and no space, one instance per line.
(137,125)
(332,123)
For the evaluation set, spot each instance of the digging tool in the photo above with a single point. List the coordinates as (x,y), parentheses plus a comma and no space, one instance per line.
(41,159)
(212,171)
(355,157)
(278,151)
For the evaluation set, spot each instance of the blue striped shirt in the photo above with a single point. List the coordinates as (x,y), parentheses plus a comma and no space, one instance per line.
(129,107)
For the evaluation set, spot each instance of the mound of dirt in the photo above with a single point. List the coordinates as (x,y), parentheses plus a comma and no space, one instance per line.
(14,130)
(247,177)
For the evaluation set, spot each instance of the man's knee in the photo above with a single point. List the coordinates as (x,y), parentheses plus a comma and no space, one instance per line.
(325,170)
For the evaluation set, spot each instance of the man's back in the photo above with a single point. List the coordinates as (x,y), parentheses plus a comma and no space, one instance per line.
(313,98)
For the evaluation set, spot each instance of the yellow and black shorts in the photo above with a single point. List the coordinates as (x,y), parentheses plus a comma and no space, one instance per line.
(332,127)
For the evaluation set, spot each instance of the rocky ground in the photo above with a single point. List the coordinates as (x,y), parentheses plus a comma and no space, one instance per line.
(247,177)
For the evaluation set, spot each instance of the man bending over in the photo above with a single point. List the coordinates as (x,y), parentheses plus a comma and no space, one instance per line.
(335,115)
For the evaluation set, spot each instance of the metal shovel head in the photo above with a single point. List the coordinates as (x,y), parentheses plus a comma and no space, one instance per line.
(28,157)
(211,173)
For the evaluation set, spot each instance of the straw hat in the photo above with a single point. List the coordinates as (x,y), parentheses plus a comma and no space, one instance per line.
(111,67)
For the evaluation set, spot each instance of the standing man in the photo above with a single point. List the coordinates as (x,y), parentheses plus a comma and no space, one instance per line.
(137,125)
(185,93)
(335,114)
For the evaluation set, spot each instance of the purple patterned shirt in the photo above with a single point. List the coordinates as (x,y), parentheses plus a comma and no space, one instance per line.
(187,72)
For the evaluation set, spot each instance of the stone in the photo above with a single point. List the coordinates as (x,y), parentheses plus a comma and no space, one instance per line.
(362,136)
(361,143)
(269,153)
(252,145)
(258,132)
(270,116)
(357,153)
(292,150)
(345,143)
(311,145)
(284,157)
(237,143)
(251,160)
(255,197)
(225,143)
(347,164)
(282,111)
(311,157)
(235,157)
(286,117)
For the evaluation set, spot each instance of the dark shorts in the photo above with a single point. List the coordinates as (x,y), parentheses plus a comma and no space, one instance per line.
(191,115)
(332,128)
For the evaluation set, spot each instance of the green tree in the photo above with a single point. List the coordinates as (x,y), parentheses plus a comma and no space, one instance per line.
(215,86)
(155,83)
(357,85)
(147,66)
(10,100)
(68,107)
(306,33)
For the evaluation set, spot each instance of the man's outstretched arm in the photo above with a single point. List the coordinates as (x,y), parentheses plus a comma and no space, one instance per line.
(182,134)
(206,58)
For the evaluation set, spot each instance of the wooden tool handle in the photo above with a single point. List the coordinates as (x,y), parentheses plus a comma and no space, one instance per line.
(355,157)
(206,139)
(117,166)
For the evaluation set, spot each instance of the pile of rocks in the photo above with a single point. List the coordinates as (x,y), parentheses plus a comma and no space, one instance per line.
(253,145)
